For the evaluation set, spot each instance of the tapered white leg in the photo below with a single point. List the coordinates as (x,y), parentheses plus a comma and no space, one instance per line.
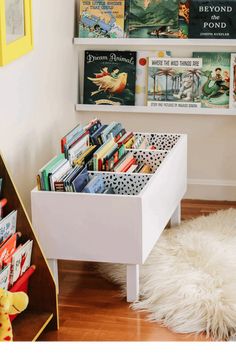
(54,268)
(132,282)
(176,216)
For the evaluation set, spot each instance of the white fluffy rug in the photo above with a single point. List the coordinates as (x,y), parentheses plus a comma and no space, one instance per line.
(189,280)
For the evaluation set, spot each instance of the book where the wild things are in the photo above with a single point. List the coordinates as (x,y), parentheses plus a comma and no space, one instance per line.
(101,18)
(174,82)
(109,77)
(233,81)
(212,19)
(153,18)
(142,73)
(215,79)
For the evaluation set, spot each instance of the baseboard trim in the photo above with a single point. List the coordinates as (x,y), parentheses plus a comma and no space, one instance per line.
(208,189)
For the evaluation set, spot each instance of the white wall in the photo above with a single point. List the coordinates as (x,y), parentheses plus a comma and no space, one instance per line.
(37,94)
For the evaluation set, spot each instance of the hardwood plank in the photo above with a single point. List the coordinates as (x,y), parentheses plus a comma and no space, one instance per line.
(91,308)
(29,325)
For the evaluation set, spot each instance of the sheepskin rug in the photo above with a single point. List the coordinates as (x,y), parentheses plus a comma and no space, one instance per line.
(188,282)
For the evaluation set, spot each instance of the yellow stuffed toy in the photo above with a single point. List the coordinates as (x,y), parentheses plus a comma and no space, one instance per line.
(10,304)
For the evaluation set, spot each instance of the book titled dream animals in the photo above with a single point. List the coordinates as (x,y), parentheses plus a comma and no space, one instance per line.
(109,77)
(174,82)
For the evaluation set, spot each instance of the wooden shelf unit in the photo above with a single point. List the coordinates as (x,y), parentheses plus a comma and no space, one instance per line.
(42,311)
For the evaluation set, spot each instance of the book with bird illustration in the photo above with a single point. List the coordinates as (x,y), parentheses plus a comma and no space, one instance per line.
(109,77)
(101,18)
(174,82)
(153,18)
(215,79)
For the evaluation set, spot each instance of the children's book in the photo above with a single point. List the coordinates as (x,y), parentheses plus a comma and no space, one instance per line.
(70,137)
(153,18)
(20,261)
(79,147)
(7,249)
(109,77)
(174,82)
(184,10)
(8,226)
(95,185)
(4,277)
(101,18)
(215,79)
(142,73)
(81,180)
(212,19)
(233,81)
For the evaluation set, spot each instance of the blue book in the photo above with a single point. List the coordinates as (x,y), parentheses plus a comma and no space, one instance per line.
(81,180)
(94,137)
(95,185)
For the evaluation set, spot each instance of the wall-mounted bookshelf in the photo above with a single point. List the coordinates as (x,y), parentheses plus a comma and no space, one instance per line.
(153,110)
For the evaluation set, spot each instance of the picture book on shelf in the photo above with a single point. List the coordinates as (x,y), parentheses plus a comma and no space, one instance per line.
(212,19)
(215,79)
(109,77)
(183,21)
(174,82)
(101,18)
(20,260)
(8,225)
(4,277)
(7,249)
(142,71)
(153,18)
(233,81)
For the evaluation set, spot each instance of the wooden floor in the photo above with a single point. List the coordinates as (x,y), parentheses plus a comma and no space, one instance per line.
(91,309)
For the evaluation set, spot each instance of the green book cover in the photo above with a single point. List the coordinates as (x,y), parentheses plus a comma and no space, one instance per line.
(149,17)
(48,168)
(109,77)
(215,79)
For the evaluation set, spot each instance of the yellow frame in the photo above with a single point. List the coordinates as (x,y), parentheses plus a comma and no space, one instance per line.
(21,46)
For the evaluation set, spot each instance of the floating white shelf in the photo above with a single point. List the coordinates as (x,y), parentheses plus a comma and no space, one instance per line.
(146,42)
(156,110)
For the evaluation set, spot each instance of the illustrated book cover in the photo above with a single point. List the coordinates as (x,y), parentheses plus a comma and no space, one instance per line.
(215,79)
(109,77)
(212,19)
(8,226)
(233,81)
(184,13)
(101,18)
(174,82)
(7,249)
(20,261)
(4,277)
(153,18)
(142,71)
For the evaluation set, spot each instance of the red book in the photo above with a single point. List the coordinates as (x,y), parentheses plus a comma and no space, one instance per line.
(130,163)
(7,249)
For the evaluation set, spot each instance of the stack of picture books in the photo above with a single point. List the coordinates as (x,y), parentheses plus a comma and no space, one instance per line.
(92,147)
(15,252)
(205,80)
(157,19)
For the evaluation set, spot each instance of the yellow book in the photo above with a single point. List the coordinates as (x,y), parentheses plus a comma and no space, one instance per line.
(102,152)
(129,143)
(80,159)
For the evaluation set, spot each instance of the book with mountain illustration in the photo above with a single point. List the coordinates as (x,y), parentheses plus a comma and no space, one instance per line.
(101,18)
(215,79)
(153,18)
(109,77)
(174,82)
(212,19)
